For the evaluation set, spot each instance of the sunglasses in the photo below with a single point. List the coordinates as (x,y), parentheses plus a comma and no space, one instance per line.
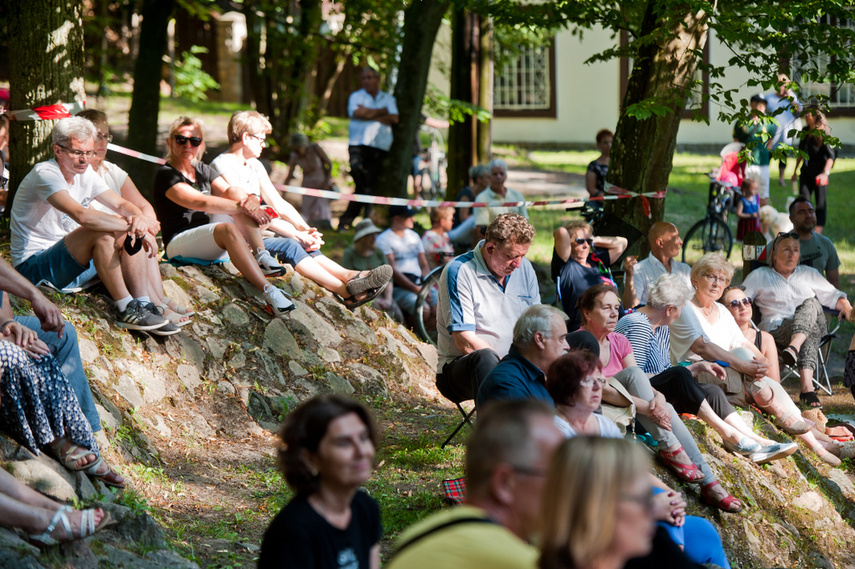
(736,302)
(581,241)
(788,235)
(195,141)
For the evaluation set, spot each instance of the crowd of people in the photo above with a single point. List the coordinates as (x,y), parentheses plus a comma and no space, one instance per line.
(557,388)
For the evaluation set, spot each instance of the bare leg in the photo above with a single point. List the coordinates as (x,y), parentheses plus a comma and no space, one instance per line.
(84,244)
(819,449)
(228,237)
(135,273)
(335,269)
(309,267)
(248,227)
(735,421)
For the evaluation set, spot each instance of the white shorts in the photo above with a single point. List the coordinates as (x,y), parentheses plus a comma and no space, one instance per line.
(759,174)
(197,243)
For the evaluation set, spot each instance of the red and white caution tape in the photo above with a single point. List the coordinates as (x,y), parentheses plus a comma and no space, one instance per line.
(48,113)
(381,200)
(135,154)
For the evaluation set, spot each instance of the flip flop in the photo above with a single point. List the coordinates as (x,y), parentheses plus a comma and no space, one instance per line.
(370,295)
(87,527)
(375,278)
(810,400)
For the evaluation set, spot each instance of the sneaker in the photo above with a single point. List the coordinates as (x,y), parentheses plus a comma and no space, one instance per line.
(773,452)
(137,317)
(167,330)
(268,263)
(277,301)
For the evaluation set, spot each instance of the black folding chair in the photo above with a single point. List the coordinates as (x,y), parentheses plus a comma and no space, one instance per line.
(467,420)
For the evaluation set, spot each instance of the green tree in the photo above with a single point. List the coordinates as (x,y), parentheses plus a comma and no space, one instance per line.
(46,67)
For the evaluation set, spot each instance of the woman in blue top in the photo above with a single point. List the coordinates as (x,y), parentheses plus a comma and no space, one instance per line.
(328,453)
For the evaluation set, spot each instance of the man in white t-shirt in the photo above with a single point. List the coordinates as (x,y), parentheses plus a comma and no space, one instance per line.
(372,113)
(665,245)
(55,234)
(405,252)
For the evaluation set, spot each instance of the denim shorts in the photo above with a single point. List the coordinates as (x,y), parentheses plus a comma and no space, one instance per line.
(54,265)
(288,250)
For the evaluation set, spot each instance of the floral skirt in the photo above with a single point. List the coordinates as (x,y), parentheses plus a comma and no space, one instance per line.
(37,404)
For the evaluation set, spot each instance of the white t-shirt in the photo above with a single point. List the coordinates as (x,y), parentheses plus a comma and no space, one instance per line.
(485,215)
(691,325)
(246,175)
(405,250)
(115,178)
(608,430)
(35,223)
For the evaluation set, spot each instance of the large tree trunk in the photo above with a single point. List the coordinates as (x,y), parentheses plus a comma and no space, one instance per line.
(46,67)
(485,87)
(643,149)
(145,101)
(461,135)
(422,19)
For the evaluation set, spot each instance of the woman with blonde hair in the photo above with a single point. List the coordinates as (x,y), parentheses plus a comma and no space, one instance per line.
(598,505)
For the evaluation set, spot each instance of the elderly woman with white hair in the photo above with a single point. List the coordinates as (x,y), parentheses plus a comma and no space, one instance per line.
(705,330)
(496,192)
(791,298)
(647,330)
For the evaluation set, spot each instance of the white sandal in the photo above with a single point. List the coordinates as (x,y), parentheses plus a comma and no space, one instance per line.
(87,526)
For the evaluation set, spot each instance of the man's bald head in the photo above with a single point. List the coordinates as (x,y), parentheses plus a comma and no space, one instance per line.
(664,240)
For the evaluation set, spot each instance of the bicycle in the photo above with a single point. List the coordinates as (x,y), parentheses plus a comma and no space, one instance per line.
(712,233)
(429,283)
(427,183)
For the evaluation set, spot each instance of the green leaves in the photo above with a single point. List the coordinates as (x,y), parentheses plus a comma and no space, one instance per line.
(647,108)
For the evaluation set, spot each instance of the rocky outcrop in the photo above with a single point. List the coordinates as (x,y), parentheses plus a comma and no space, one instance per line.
(236,370)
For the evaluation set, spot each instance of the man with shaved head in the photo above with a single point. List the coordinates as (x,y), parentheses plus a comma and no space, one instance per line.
(665,244)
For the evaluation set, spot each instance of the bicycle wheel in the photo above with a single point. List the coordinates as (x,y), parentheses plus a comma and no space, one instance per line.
(708,235)
(429,290)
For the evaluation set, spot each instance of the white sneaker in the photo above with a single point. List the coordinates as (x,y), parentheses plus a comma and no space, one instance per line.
(277,301)
(268,263)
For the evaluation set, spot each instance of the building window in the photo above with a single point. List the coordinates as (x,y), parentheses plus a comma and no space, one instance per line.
(839,96)
(526,87)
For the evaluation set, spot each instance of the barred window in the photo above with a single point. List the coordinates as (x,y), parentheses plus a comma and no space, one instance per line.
(526,87)
(838,95)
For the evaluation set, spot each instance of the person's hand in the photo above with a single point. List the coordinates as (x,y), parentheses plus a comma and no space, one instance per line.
(709,367)
(138,226)
(153,226)
(251,206)
(756,368)
(629,265)
(658,411)
(150,245)
(26,339)
(50,317)
(669,507)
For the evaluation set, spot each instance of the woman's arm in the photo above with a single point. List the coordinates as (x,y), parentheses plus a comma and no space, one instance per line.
(770,352)
(615,245)
(711,352)
(739,210)
(187,196)
(591,183)
(562,243)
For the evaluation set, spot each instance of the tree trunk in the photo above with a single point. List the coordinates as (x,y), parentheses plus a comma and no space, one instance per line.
(46,67)
(303,49)
(422,19)
(643,149)
(145,101)
(485,88)
(461,135)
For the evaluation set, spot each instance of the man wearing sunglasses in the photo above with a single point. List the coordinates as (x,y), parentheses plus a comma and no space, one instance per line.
(372,113)
(55,234)
(665,245)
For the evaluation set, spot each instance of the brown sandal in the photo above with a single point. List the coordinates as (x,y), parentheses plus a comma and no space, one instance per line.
(68,454)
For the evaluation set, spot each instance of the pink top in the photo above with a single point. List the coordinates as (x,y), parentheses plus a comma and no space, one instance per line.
(619,348)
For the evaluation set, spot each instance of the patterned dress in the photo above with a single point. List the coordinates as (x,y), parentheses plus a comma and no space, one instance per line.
(37,404)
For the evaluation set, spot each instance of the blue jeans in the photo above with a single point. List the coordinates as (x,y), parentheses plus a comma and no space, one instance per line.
(67,354)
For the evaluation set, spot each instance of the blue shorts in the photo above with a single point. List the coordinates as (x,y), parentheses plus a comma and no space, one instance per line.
(54,265)
(288,250)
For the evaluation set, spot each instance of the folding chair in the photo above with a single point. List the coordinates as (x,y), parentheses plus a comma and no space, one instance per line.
(821,379)
(467,420)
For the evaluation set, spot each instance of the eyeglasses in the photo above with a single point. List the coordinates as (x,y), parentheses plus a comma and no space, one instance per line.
(590,381)
(195,141)
(646,500)
(257,137)
(78,153)
(736,302)
(581,241)
(715,278)
(528,471)
(788,235)
(106,137)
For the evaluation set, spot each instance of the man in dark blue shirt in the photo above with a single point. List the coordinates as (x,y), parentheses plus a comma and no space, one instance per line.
(538,340)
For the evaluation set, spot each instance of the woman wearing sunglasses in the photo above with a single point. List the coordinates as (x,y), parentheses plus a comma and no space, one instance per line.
(791,298)
(183,200)
(579,261)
